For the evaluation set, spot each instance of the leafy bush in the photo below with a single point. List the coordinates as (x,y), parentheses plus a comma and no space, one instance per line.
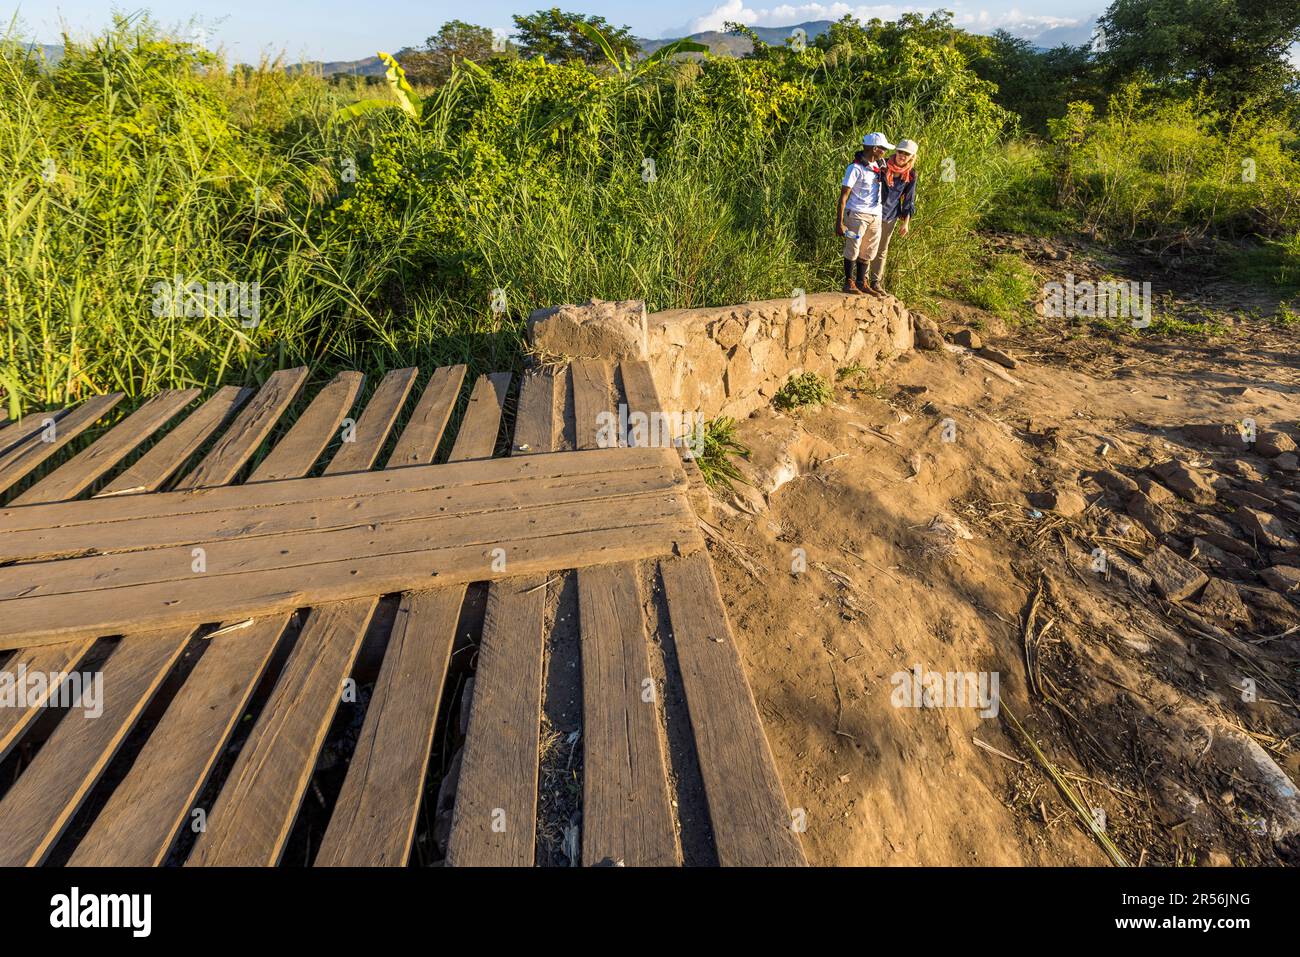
(806,389)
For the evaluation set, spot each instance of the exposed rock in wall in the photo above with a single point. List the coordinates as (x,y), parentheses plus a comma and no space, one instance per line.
(730,360)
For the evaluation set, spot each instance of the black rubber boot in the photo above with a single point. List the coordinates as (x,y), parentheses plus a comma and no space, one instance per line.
(850,286)
(862,267)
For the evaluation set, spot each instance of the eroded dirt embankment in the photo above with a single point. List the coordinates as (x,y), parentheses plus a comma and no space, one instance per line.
(966,518)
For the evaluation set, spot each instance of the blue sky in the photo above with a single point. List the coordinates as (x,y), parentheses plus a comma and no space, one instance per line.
(349,30)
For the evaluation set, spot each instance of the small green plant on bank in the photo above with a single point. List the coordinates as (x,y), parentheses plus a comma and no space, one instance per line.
(720,444)
(806,389)
(1287,315)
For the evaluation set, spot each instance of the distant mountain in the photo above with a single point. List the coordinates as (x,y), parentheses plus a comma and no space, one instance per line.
(370,66)
(719,43)
(1075,36)
(725,44)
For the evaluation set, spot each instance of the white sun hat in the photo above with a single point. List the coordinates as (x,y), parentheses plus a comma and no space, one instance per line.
(877,139)
(907,146)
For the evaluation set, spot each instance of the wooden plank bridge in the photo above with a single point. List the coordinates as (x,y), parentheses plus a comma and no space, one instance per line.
(206,603)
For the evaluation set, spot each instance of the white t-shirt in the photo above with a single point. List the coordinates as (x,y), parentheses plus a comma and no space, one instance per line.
(864,189)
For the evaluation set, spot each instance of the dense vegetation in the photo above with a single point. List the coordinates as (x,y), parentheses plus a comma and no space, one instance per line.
(426,231)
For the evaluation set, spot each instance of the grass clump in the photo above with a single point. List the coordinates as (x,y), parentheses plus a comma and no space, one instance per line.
(801,390)
(720,444)
(1006,288)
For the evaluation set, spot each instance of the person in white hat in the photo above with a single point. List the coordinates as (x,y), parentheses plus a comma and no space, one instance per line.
(858,215)
(897,204)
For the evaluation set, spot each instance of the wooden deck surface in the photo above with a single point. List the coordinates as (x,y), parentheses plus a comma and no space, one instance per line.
(201,549)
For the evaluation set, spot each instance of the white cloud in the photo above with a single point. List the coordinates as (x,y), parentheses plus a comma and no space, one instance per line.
(1015,21)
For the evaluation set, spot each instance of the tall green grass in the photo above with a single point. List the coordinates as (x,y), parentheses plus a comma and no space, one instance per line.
(139,159)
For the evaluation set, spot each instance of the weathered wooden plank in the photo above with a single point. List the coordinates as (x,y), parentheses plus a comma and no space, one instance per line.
(15,431)
(307,439)
(24,457)
(494,820)
(17,715)
(500,472)
(498,779)
(626,816)
(477,438)
(375,423)
(747,806)
(140,821)
(643,396)
(172,451)
(252,818)
(137,826)
(374,821)
(405,558)
(418,442)
(535,425)
(375,817)
(249,428)
(172,527)
(44,798)
(80,472)
(593,399)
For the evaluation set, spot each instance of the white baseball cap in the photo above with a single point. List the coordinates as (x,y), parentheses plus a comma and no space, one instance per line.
(907,146)
(877,139)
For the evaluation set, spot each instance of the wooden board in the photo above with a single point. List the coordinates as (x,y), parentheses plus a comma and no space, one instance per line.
(376,422)
(498,778)
(23,458)
(477,438)
(251,820)
(643,396)
(47,794)
(138,825)
(387,559)
(307,439)
(99,546)
(55,524)
(79,473)
(374,820)
(747,806)
(162,461)
(626,817)
(16,716)
(141,819)
(248,430)
(373,824)
(418,442)
(593,395)
(495,817)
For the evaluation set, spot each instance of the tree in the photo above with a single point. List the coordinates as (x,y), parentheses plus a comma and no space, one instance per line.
(556,37)
(1237,48)
(1037,84)
(455,40)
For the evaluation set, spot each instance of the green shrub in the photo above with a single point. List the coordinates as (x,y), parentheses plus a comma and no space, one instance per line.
(806,389)
(720,444)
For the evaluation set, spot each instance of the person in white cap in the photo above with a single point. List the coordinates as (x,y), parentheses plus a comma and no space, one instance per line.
(858,216)
(897,204)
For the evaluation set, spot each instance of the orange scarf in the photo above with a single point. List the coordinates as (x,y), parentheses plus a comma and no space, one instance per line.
(894,165)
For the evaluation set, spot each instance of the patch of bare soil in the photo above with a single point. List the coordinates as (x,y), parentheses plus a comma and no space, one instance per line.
(1087,526)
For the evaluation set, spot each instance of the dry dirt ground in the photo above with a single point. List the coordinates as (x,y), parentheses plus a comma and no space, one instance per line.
(955,516)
